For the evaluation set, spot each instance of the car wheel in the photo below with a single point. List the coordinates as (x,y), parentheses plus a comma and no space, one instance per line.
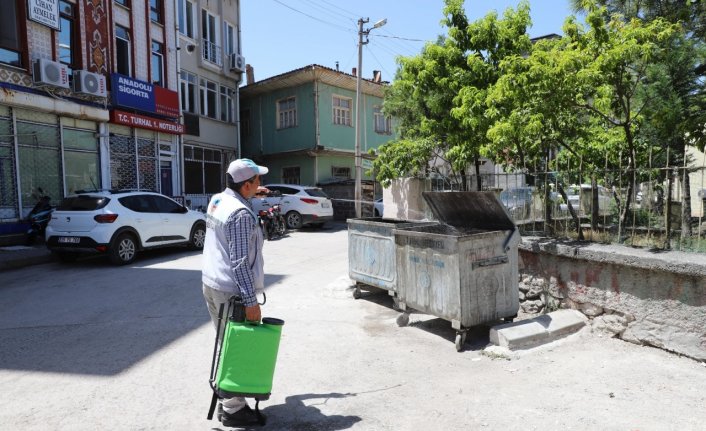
(198,236)
(123,250)
(294,220)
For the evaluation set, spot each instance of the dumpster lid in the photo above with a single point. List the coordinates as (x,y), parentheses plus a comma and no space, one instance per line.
(477,210)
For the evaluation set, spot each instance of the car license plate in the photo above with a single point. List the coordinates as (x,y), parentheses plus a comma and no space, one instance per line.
(69,240)
(325,205)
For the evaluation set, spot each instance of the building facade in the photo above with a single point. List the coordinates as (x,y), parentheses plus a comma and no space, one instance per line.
(211,67)
(301,125)
(89,98)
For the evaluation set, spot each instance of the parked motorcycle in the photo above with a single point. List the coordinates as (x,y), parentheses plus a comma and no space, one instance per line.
(39,218)
(272,221)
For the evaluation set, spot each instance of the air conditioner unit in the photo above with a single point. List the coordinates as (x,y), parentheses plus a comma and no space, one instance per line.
(49,72)
(237,63)
(86,82)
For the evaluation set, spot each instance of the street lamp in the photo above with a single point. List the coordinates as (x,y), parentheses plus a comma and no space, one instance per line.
(358,159)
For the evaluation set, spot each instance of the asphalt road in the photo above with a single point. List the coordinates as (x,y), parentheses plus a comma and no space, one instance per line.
(89,346)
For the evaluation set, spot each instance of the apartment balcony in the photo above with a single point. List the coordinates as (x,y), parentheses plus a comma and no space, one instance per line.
(211,52)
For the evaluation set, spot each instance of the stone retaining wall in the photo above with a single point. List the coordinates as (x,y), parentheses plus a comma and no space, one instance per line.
(652,298)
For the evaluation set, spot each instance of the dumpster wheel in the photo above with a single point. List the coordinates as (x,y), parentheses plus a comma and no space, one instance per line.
(357,294)
(460,340)
(403,319)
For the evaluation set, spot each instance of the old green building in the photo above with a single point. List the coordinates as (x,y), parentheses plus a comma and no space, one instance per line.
(301,124)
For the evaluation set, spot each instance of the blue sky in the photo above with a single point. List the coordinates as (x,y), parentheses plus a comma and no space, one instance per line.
(282,35)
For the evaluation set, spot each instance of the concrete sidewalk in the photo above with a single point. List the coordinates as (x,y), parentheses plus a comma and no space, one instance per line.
(19,256)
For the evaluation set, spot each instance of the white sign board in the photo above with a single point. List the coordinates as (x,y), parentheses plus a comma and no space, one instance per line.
(44,12)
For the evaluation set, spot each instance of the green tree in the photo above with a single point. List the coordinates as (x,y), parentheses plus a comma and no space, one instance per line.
(439,95)
(677,81)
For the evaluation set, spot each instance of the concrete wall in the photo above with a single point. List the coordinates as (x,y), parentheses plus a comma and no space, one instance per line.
(633,294)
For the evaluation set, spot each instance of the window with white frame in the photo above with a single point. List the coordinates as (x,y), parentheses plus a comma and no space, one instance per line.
(226,104)
(188,84)
(383,123)
(291,175)
(229,38)
(287,113)
(211,49)
(342,110)
(341,172)
(208,98)
(186,18)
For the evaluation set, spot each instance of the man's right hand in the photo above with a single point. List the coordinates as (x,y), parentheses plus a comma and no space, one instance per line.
(253,314)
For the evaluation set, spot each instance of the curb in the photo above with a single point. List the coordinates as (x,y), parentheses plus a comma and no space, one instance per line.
(539,330)
(9,260)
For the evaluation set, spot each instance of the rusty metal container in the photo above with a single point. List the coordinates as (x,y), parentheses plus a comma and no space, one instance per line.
(464,270)
(371,252)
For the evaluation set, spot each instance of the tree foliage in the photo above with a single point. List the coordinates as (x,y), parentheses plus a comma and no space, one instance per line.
(438,96)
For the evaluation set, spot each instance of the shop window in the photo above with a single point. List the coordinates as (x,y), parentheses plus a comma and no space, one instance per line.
(39,157)
(203,170)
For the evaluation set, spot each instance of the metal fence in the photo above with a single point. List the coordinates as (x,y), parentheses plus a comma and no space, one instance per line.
(652,207)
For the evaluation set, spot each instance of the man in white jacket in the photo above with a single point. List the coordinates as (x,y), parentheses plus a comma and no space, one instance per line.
(232,262)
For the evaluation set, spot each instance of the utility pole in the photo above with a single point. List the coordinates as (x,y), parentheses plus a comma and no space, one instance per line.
(358,158)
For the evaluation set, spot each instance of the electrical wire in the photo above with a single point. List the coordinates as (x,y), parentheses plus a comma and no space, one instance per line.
(338,27)
(370,51)
(401,38)
(329,11)
(354,15)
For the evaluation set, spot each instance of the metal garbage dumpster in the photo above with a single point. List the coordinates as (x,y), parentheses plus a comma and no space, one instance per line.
(463,270)
(371,252)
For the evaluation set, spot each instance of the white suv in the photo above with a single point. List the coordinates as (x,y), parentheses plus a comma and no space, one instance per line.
(301,205)
(120,223)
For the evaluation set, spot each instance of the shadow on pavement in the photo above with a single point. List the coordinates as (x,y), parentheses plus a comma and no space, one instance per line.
(477,338)
(295,415)
(98,319)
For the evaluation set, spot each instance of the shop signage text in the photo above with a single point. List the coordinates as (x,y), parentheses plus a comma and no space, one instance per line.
(140,95)
(45,12)
(143,122)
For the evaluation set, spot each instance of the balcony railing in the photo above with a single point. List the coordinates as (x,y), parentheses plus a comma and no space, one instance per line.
(211,52)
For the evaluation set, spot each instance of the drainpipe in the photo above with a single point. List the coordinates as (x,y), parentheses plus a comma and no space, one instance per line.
(181,181)
(237,89)
(317,141)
